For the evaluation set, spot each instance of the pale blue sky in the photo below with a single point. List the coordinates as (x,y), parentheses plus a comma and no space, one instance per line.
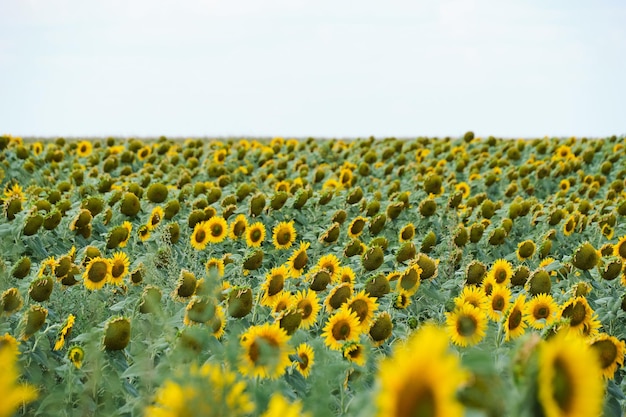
(312,68)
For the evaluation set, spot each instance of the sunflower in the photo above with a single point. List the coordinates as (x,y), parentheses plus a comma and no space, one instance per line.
(464,188)
(47,267)
(331,264)
(474,296)
(84,148)
(144,152)
(569,378)
(466,325)
(338,296)
(65,331)
(401,300)
(255,235)
(219,156)
(155,217)
(420,378)
(97,273)
(280,407)
(499,301)
(265,351)
(200,236)
(238,227)
(540,311)
(274,284)
(569,225)
(8,342)
(306,301)
(346,274)
(579,313)
(525,250)
(610,351)
(298,260)
(409,280)
(354,352)
(215,264)
(282,302)
(620,248)
(283,235)
(341,327)
(356,226)
(119,268)
(501,271)
(217,229)
(128,226)
(144,233)
(217,323)
(14,394)
(514,324)
(305,358)
(407,233)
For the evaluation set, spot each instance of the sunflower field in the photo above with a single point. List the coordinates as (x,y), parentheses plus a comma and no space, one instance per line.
(310,277)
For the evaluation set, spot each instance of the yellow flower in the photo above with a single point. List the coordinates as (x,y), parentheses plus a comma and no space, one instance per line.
(155,217)
(502,270)
(306,301)
(540,311)
(14,394)
(354,352)
(97,273)
(119,268)
(356,226)
(610,351)
(499,301)
(514,324)
(466,325)
(305,358)
(364,307)
(274,284)
(84,148)
(569,378)
(620,248)
(217,229)
(279,407)
(464,188)
(331,264)
(265,351)
(65,331)
(200,236)
(283,235)
(76,354)
(238,227)
(474,296)
(215,264)
(255,235)
(420,378)
(407,233)
(298,260)
(341,327)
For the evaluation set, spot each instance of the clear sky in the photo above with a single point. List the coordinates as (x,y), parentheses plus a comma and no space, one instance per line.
(320,68)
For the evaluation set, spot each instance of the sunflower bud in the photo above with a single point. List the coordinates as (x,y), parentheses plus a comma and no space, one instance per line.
(157,193)
(200,310)
(427,207)
(253,260)
(406,252)
(612,268)
(373,258)
(11,301)
(186,284)
(116,334)
(381,328)
(340,295)
(539,282)
(372,208)
(377,223)
(41,288)
(520,276)
(22,268)
(585,257)
(355,195)
(302,196)
(475,272)
(130,205)
(377,286)
(290,321)
(12,207)
(353,248)
(460,237)
(394,210)
(150,300)
(278,200)
(428,265)
(429,242)
(332,234)
(257,204)
(320,280)
(497,236)
(34,319)
(239,302)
